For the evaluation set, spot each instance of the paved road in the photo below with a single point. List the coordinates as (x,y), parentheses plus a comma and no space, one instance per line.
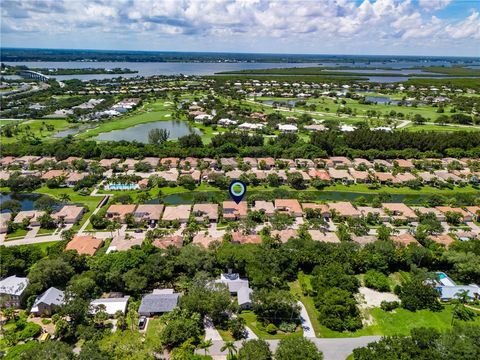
(333,349)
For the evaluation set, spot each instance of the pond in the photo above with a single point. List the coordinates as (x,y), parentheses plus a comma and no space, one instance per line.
(140,132)
(280,102)
(381,100)
(27,201)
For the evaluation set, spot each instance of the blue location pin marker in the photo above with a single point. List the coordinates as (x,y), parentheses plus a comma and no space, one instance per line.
(237,190)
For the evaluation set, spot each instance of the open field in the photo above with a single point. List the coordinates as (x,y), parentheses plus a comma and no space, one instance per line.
(42,129)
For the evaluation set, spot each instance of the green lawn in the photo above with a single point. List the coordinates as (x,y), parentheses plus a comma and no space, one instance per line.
(19,233)
(430,127)
(259,330)
(36,128)
(155,111)
(307,301)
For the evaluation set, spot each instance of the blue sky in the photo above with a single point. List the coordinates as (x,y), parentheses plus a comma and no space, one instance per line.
(409,27)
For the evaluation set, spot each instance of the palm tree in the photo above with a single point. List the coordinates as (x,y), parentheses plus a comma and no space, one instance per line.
(64,198)
(230,347)
(205,345)
(112,227)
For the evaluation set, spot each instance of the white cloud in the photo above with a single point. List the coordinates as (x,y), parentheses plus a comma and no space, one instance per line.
(432,5)
(295,22)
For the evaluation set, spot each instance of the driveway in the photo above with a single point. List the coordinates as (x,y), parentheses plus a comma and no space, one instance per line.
(210,331)
(307,326)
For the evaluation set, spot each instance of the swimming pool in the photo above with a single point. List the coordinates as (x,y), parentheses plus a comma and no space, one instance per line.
(122,187)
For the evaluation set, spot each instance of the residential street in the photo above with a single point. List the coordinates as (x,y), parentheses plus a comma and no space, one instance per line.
(333,349)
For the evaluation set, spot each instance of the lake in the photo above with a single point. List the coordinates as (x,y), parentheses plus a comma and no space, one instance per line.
(140,132)
(152,68)
(27,201)
(381,100)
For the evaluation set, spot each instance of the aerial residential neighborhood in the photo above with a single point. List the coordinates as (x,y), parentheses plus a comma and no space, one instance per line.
(240,180)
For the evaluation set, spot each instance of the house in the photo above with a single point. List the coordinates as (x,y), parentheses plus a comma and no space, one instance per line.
(315,127)
(159,302)
(289,206)
(364,239)
(361,162)
(383,163)
(400,211)
(324,210)
(48,302)
(475,211)
(32,215)
(110,305)
(465,216)
(266,163)
(329,237)
(169,162)
(422,210)
(178,212)
(129,164)
(205,211)
(404,239)
(404,164)
(284,235)
(205,240)
(52,174)
(12,291)
(108,163)
(385,178)
(239,238)
(167,241)
(359,177)
(234,211)
(266,206)
(84,244)
(4,219)
(118,212)
(405,177)
(442,239)
(287,128)
(449,290)
(319,174)
(70,214)
(151,213)
(466,235)
(365,210)
(340,161)
(237,286)
(340,175)
(73,178)
(344,209)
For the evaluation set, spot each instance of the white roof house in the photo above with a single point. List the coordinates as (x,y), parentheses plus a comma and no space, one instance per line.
(13,285)
(250,126)
(112,305)
(287,128)
(347,128)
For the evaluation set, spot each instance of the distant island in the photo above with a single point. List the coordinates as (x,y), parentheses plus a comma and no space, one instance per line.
(22,55)
(13,70)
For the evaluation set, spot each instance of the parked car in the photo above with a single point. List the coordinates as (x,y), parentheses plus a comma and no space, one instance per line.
(142,322)
(138,231)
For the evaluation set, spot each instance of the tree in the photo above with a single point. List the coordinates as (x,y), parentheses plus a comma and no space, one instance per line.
(45,203)
(67,235)
(297,348)
(13,205)
(52,350)
(230,347)
(205,345)
(181,327)
(275,306)
(255,350)
(158,136)
(376,280)
(64,198)
(416,295)
(295,179)
(49,272)
(460,311)
(190,141)
(338,310)
(47,222)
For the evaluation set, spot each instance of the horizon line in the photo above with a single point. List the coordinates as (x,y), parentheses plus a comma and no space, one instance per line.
(241,53)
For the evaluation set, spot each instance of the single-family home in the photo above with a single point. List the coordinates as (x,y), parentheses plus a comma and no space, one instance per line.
(118,212)
(73,178)
(48,302)
(400,211)
(12,291)
(159,302)
(264,206)
(167,241)
(234,211)
(205,211)
(344,209)
(151,213)
(178,212)
(70,214)
(404,239)
(289,206)
(465,215)
(342,176)
(4,219)
(237,286)
(84,244)
(111,305)
(32,215)
(442,239)
(324,236)
(239,238)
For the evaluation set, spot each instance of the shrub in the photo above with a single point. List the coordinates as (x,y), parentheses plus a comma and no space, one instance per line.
(376,280)
(271,329)
(287,327)
(389,305)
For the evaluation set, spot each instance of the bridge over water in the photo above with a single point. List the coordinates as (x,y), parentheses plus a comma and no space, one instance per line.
(33,75)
